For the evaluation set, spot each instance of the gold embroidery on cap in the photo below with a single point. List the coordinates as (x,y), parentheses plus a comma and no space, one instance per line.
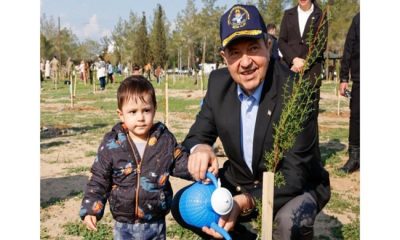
(239,33)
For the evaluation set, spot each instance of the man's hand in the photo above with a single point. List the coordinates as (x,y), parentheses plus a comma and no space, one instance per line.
(343,86)
(201,160)
(298,64)
(90,222)
(228,221)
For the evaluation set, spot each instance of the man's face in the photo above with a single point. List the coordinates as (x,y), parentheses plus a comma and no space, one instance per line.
(247,61)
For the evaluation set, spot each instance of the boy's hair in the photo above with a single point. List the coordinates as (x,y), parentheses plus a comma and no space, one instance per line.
(271,26)
(135,67)
(135,86)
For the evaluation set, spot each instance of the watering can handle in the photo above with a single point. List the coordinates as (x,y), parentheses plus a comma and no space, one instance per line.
(220,230)
(212,178)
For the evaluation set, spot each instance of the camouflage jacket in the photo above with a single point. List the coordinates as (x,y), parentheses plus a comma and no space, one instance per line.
(138,190)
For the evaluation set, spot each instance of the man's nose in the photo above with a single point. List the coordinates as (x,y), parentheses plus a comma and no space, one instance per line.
(245,61)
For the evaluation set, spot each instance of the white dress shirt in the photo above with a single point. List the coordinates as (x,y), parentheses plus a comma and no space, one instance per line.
(303,16)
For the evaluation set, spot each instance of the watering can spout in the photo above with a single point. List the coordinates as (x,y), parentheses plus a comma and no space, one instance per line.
(221,231)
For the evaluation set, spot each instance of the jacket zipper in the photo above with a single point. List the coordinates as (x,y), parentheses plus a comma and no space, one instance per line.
(138,171)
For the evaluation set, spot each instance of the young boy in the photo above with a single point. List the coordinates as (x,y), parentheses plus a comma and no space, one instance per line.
(132,167)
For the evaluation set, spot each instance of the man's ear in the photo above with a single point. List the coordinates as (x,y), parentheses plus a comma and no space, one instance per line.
(120,115)
(268,44)
(222,53)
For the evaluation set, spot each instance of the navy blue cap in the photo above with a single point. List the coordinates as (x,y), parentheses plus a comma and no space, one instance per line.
(241,21)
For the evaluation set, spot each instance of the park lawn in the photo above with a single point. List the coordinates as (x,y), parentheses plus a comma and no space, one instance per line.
(70,137)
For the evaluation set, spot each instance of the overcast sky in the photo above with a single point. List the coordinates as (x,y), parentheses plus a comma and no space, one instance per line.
(94,19)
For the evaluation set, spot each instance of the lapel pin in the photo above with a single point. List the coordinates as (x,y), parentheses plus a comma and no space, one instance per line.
(269,112)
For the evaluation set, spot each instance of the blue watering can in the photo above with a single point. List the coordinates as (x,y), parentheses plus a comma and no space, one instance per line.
(202,205)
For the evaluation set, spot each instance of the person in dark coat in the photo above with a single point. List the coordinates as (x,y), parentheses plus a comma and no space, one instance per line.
(241,106)
(294,44)
(351,64)
(271,30)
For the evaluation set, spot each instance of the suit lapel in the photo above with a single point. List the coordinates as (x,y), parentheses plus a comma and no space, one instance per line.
(233,119)
(264,117)
(313,18)
(295,22)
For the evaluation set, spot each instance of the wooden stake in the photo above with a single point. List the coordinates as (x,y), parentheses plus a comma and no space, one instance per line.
(201,83)
(166,100)
(338,103)
(74,85)
(72,97)
(94,81)
(267,205)
(55,80)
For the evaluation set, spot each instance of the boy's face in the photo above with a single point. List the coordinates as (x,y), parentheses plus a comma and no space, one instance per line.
(138,116)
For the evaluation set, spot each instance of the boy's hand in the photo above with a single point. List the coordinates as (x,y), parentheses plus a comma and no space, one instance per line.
(90,222)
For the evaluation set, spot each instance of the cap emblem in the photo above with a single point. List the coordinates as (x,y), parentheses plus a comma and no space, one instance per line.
(238,17)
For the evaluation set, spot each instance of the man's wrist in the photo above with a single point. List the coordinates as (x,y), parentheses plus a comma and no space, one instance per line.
(250,205)
(194,148)
(200,146)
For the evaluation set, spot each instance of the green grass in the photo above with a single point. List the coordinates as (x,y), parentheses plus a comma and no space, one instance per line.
(334,133)
(90,153)
(174,230)
(339,204)
(181,82)
(60,201)
(351,231)
(44,233)
(80,169)
(104,231)
(52,201)
(190,106)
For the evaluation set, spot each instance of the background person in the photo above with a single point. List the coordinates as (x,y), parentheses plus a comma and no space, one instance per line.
(110,71)
(271,30)
(101,73)
(351,64)
(54,65)
(293,41)
(47,69)
(136,70)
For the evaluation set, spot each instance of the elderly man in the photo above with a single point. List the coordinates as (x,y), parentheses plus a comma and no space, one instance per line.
(242,103)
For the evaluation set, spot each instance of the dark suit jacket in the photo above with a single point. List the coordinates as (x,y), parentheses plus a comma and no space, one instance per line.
(292,44)
(220,116)
(351,53)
